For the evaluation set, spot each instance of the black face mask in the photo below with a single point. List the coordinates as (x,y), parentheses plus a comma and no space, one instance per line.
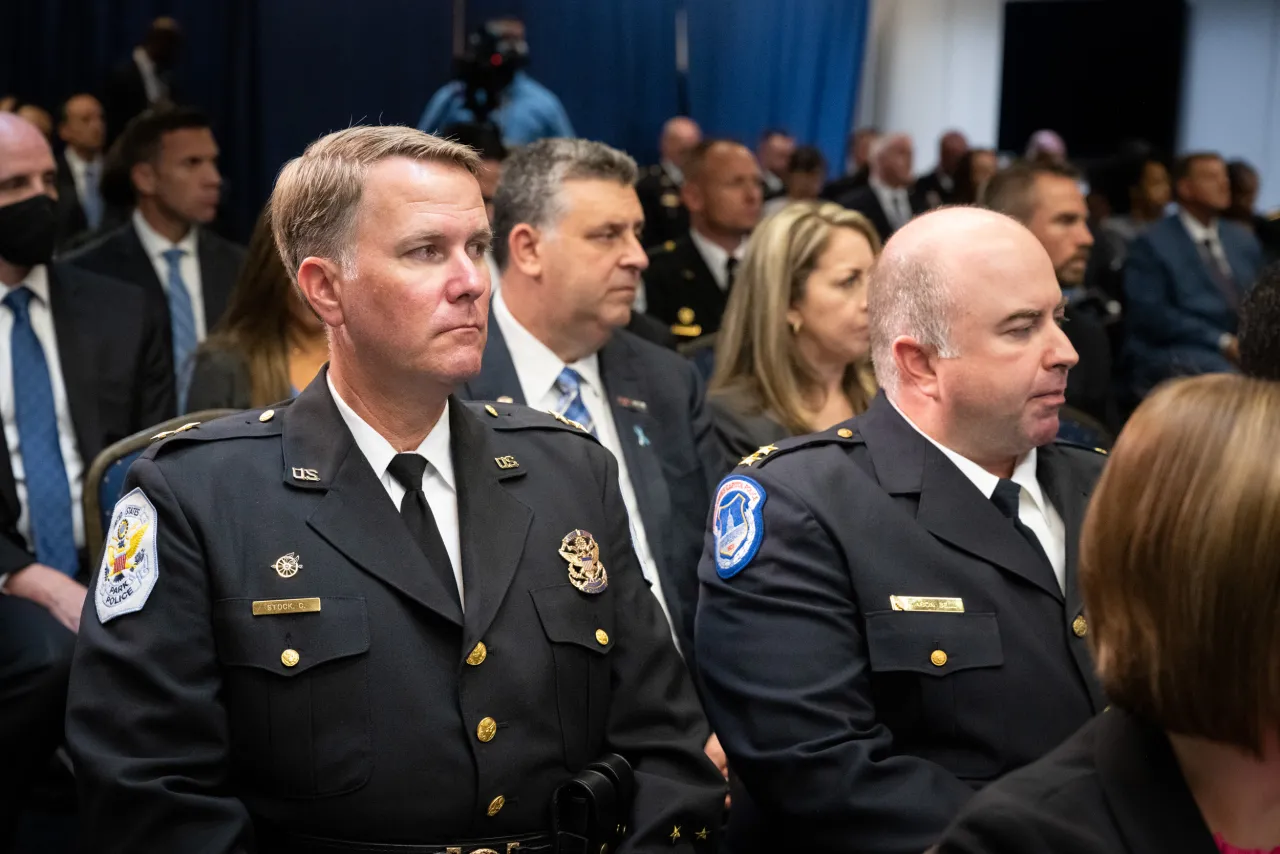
(28,231)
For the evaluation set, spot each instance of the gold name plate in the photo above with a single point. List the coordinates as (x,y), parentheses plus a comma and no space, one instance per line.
(268,607)
(926,603)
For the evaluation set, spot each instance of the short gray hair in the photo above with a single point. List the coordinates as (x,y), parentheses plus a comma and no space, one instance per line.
(909,296)
(532,177)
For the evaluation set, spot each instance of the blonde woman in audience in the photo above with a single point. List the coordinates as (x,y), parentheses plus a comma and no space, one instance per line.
(793,355)
(1178,575)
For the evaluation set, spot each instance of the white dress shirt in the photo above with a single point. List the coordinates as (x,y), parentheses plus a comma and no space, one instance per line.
(894,200)
(42,324)
(438,482)
(717,259)
(157,89)
(77,166)
(155,245)
(1201,234)
(537,368)
(674,172)
(1034,509)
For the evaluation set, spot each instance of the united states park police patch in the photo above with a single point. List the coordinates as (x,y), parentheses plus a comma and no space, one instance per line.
(129,563)
(738,525)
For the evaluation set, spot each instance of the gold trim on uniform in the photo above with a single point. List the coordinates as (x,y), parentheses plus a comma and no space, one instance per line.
(926,603)
(270,607)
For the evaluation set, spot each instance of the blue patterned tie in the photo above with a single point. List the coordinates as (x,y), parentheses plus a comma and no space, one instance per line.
(570,405)
(182,318)
(43,469)
(91,201)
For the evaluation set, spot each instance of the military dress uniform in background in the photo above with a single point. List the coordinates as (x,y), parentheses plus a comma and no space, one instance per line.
(665,216)
(877,639)
(681,290)
(269,662)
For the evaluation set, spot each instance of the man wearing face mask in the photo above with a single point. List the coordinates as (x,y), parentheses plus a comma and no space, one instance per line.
(81,366)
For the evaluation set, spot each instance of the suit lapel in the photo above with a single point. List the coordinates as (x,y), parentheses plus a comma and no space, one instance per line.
(950,506)
(1069,495)
(498,377)
(1193,260)
(635,432)
(356,516)
(76,367)
(704,282)
(134,259)
(493,522)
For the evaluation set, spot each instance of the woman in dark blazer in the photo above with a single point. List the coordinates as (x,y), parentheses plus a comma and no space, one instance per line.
(269,344)
(1181,593)
(793,352)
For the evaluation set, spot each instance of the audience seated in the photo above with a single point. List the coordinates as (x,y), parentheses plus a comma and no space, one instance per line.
(793,355)
(39,117)
(1146,194)
(806,173)
(1245,184)
(1184,279)
(1177,571)
(163,248)
(1260,327)
(688,280)
(270,344)
(973,171)
(665,216)
(857,168)
(81,366)
(1046,146)
(887,200)
(774,153)
(144,80)
(82,131)
(939,186)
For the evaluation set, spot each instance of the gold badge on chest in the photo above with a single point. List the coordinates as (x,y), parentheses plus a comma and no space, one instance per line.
(287,566)
(586,572)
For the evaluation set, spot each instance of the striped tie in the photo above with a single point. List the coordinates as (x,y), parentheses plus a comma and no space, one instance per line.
(570,405)
(182,318)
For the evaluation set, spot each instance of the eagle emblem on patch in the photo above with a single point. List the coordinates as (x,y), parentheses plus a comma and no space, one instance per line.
(738,524)
(586,572)
(129,566)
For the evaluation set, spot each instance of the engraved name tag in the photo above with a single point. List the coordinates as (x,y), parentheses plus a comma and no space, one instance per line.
(926,603)
(268,607)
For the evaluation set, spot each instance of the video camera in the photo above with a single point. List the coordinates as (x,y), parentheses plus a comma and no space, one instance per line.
(493,56)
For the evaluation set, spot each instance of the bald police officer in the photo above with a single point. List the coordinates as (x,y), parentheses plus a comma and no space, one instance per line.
(379,616)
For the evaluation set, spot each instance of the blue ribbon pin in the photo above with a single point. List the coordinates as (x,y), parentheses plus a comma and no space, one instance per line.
(641,437)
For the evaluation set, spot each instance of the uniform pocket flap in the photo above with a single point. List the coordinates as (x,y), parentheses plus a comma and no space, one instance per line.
(289,644)
(931,643)
(571,617)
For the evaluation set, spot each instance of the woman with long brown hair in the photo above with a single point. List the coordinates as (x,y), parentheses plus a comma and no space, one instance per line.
(793,353)
(269,345)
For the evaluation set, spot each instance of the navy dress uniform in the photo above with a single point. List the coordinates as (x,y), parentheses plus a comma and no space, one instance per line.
(876,639)
(268,662)
(665,216)
(681,291)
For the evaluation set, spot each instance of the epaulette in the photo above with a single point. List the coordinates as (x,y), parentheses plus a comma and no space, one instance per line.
(250,424)
(1090,448)
(769,453)
(513,416)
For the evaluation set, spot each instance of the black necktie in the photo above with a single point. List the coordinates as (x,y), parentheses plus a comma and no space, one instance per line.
(730,268)
(1005,498)
(408,470)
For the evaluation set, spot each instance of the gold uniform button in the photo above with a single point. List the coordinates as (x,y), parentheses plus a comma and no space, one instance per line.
(290,657)
(844,433)
(267,416)
(496,805)
(1080,626)
(478,655)
(486,730)
(602,637)
(938,658)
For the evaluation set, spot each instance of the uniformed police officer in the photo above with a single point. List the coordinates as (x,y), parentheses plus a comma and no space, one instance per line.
(665,216)
(380,616)
(889,614)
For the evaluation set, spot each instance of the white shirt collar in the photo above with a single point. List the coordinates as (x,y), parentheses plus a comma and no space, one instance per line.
(1024,473)
(715,257)
(379,452)
(37,281)
(157,244)
(537,366)
(673,172)
(1199,233)
(882,189)
(945,181)
(78,163)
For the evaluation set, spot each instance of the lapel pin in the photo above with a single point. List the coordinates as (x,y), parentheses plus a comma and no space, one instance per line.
(506,462)
(632,403)
(287,566)
(641,437)
(306,474)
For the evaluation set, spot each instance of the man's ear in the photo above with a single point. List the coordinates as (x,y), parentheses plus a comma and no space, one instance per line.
(143,176)
(692,196)
(321,283)
(525,250)
(917,365)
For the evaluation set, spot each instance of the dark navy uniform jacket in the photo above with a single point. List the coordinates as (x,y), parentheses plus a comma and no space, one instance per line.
(853,726)
(388,716)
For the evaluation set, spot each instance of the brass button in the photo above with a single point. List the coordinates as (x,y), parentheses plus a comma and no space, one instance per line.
(496,805)
(489,409)
(602,637)
(844,433)
(478,655)
(267,416)
(289,657)
(486,730)
(938,658)
(1080,626)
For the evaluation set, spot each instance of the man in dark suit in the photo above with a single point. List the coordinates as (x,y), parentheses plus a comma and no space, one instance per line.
(888,199)
(164,248)
(774,153)
(688,280)
(81,366)
(80,205)
(1184,279)
(889,616)
(145,79)
(857,169)
(665,216)
(939,186)
(440,624)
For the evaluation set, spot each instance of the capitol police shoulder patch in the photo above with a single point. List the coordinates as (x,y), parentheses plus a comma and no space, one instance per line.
(738,524)
(130,565)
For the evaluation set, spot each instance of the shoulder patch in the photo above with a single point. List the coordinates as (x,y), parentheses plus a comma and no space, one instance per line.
(738,524)
(130,565)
